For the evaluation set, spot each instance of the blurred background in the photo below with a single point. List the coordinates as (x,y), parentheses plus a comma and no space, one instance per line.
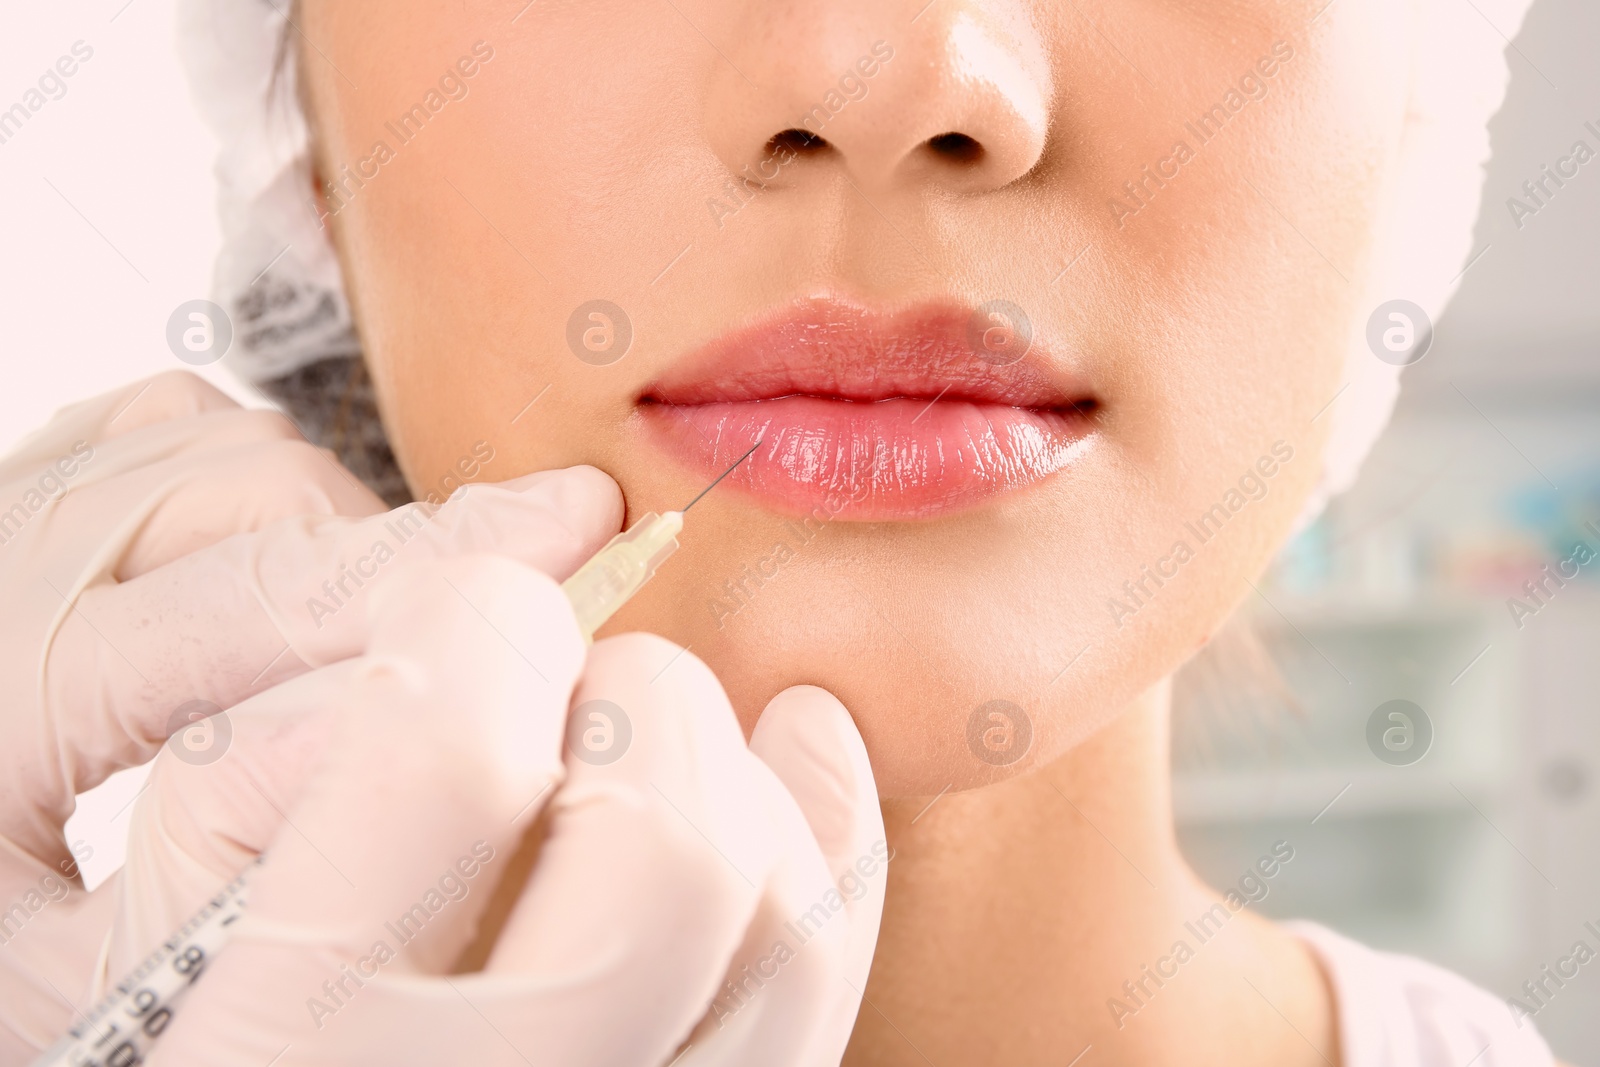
(1475,848)
(1483,854)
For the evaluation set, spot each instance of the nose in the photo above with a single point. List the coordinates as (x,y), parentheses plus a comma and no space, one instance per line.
(954,99)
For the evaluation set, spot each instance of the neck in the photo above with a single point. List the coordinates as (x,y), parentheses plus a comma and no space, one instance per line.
(1017,913)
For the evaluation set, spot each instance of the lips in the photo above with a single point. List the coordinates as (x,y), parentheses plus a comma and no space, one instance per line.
(869,415)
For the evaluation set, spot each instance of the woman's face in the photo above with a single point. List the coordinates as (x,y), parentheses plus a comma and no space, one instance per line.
(1032,308)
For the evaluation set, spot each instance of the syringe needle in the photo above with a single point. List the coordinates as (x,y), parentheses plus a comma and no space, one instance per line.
(721,476)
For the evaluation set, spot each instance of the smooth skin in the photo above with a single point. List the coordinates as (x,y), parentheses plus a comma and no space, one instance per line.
(1211,323)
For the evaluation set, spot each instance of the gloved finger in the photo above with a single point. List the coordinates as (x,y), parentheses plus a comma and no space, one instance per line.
(169,432)
(796,1005)
(234,487)
(777,1001)
(661,845)
(809,740)
(165,474)
(593,962)
(129,474)
(207,811)
(130,663)
(446,745)
(202,817)
(164,397)
(44,955)
(194,436)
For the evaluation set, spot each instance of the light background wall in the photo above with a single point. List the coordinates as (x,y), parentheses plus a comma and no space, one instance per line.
(1484,856)
(108,206)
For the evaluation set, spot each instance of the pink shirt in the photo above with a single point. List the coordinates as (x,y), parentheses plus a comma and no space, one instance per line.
(1398,1011)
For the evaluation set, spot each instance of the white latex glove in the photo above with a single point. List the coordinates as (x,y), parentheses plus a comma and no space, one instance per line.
(664,875)
(159,546)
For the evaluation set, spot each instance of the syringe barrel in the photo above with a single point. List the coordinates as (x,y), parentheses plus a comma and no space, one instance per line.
(611,576)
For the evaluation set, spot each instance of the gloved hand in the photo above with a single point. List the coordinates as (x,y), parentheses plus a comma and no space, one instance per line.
(160,550)
(392,795)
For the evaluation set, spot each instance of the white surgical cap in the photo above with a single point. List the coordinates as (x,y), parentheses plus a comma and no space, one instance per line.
(294,313)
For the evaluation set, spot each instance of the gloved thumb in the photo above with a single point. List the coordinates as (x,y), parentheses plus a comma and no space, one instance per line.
(808,739)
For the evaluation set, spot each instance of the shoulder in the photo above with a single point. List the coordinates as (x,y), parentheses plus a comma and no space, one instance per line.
(1399,1011)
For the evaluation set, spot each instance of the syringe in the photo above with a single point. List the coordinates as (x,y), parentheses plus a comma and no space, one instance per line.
(612,575)
(121,1030)
(600,587)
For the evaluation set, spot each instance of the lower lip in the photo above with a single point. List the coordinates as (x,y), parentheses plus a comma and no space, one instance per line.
(871,461)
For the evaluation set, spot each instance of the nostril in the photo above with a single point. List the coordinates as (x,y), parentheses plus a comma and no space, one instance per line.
(798,141)
(956,147)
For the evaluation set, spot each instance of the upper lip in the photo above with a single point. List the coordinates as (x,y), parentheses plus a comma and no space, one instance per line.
(836,350)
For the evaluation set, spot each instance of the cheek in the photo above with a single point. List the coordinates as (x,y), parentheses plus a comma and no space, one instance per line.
(480,242)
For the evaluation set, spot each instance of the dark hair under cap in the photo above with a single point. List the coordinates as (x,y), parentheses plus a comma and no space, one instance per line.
(333,403)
